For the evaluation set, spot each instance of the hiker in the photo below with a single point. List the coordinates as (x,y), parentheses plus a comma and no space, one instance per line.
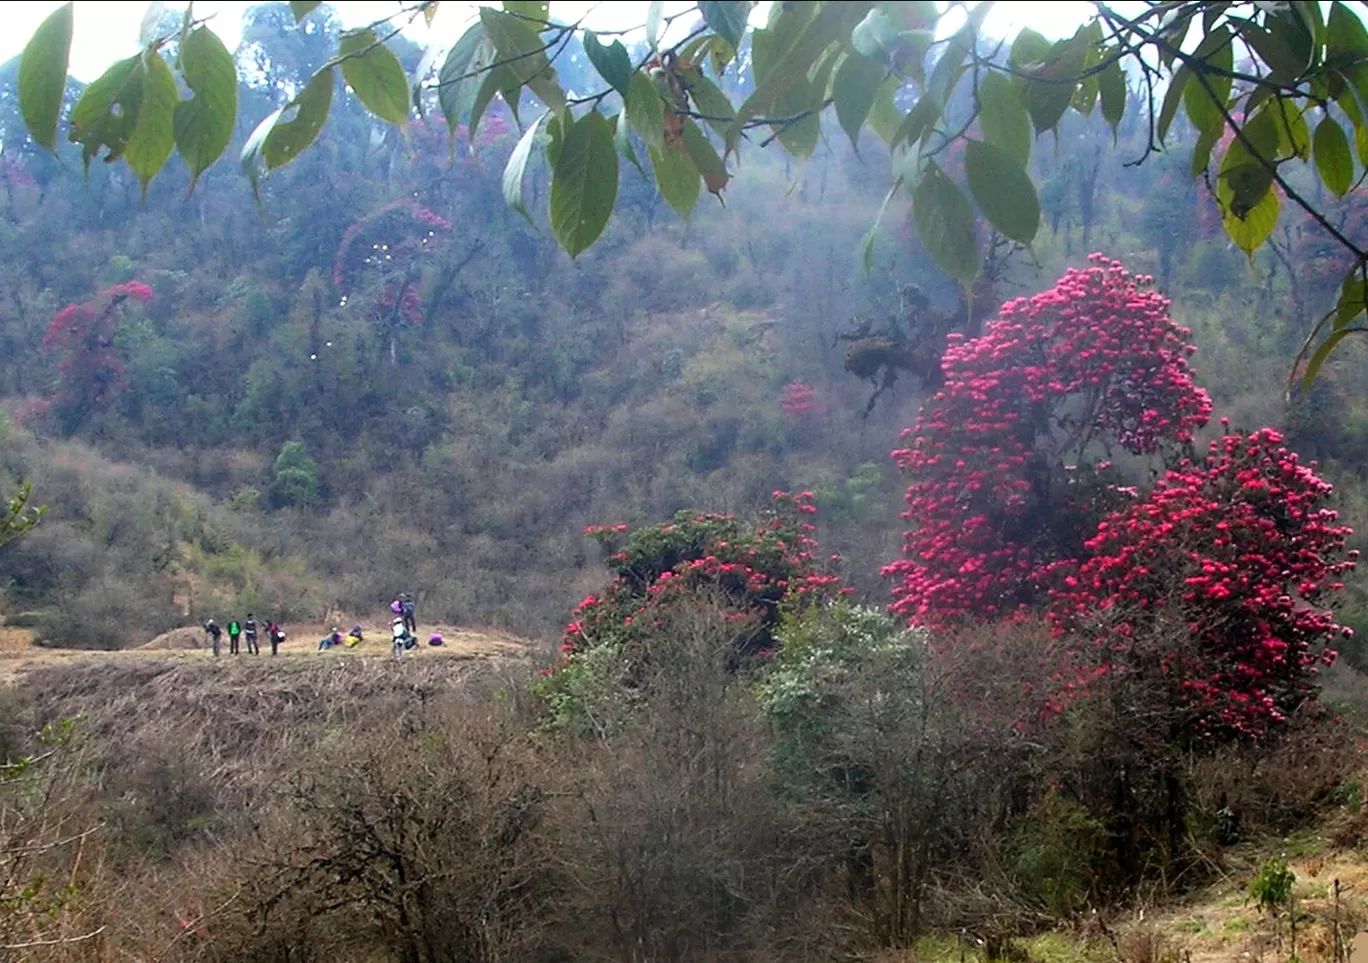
(331,639)
(234,633)
(215,633)
(407,609)
(403,639)
(249,629)
(275,635)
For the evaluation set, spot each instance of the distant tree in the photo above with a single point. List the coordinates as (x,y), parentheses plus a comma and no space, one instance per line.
(19,516)
(296,477)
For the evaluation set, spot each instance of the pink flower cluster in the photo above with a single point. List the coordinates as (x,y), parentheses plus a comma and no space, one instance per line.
(1096,358)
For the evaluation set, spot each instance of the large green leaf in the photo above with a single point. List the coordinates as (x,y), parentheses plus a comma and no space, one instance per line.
(1050,84)
(1003,117)
(459,79)
(945,224)
(791,64)
(375,75)
(677,177)
(1247,227)
(1345,35)
(1029,47)
(302,8)
(154,134)
(517,166)
(715,106)
(612,63)
(1172,98)
(204,123)
(107,111)
(801,105)
(1003,190)
(655,11)
(497,79)
(525,54)
(884,118)
(622,140)
(584,183)
(726,18)
(43,75)
(1205,95)
(705,158)
(277,141)
(1333,159)
(1111,85)
(854,89)
(646,111)
(536,11)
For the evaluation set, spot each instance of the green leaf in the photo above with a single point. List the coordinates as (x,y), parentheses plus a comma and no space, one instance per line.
(920,119)
(623,141)
(302,8)
(154,134)
(1029,48)
(790,69)
(494,81)
(1111,85)
(1251,228)
(726,19)
(1050,85)
(517,165)
(705,158)
(714,105)
(425,65)
(646,111)
(612,63)
(1201,151)
(867,242)
(884,118)
(1334,162)
(677,177)
(1003,117)
(945,225)
(803,101)
(1204,107)
(875,36)
(584,183)
(1003,190)
(1353,299)
(1322,354)
(655,10)
(458,81)
(277,141)
(1345,33)
(525,53)
(375,75)
(1172,98)
(107,111)
(856,84)
(1273,48)
(204,123)
(43,75)
(537,11)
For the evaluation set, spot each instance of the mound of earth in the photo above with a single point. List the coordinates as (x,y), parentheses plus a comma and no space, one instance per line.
(186,637)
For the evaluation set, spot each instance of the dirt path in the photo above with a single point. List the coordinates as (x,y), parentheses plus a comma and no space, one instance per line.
(18,654)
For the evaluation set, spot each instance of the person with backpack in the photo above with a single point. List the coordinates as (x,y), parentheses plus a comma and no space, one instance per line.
(234,633)
(215,633)
(249,629)
(275,636)
(408,610)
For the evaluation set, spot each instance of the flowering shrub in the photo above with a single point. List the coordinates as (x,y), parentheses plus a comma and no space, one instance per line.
(755,572)
(91,371)
(1001,487)
(1239,552)
(1212,584)
(798,400)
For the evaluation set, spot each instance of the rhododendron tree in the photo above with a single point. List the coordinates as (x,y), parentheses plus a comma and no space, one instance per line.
(1213,584)
(90,370)
(753,570)
(1006,478)
(1237,555)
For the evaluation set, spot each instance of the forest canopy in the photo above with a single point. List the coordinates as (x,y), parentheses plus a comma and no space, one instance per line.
(958,111)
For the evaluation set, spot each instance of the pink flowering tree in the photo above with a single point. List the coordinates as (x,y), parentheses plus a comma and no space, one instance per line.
(753,570)
(90,372)
(1213,585)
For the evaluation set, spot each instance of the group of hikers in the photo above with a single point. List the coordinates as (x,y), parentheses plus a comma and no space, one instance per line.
(237,631)
(404,629)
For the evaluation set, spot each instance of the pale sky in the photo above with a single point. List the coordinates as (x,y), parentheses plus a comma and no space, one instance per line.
(108,30)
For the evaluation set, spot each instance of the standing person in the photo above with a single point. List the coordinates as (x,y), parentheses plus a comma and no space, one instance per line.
(409,609)
(215,633)
(275,635)
(234,633)
(249,629)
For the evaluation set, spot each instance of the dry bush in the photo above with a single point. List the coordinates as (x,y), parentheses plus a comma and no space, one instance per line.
(675,842)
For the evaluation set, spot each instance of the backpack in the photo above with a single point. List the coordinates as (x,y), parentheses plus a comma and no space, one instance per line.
(234,628)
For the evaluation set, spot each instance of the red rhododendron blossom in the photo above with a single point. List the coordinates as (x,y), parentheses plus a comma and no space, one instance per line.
(1096,359)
